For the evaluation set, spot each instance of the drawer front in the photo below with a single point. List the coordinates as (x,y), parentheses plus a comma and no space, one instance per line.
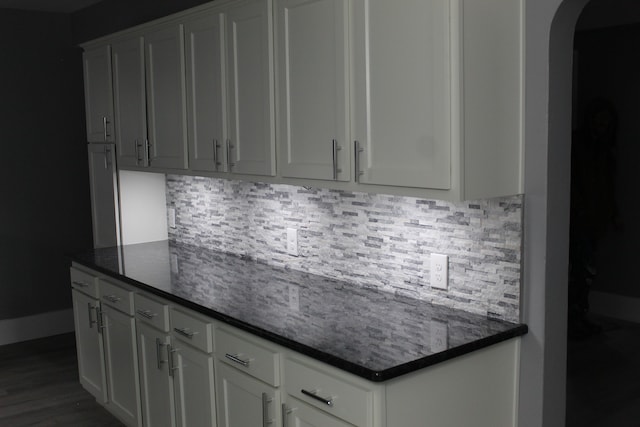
(84,282)
(248,356)
(329,393)
(116,297)
(192,329)
(153,312)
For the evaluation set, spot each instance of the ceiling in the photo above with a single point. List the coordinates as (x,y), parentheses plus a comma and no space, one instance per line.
(60,6)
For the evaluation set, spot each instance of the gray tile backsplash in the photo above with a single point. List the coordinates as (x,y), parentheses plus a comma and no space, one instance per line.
(372,240)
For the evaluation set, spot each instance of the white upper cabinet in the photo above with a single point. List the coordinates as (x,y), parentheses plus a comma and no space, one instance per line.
(166,104)
(312,69)
(98,94)
(130,102)
(251,143)
(438,96)
(402,77)
(206,106)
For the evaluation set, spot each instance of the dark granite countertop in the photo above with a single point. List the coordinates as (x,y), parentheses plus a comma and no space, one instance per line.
(375,335)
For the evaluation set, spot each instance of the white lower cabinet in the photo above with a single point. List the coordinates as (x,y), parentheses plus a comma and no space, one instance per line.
(106,344)
(247,381)
(89,345)
(176,368)
(245,401)
(197,372)
(121,355)
(158,399)
(192,362)
(318,395)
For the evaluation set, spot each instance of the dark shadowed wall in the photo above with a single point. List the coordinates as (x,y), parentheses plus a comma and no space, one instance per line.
(110,16)
(45,209)
(609,68)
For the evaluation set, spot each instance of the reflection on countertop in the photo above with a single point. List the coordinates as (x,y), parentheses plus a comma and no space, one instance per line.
(373,334)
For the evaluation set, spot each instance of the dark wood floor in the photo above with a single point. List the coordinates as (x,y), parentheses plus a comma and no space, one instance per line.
(39,386)
(603,376)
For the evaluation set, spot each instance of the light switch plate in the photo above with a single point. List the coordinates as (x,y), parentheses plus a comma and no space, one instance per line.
(292,241)
(172,217)
(439,271)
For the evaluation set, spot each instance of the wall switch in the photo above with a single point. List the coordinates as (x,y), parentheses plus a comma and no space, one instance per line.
(439,271)
(172,217)
(292,241)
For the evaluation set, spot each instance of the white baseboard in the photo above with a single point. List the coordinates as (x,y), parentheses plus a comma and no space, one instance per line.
(36,326)
(615,306)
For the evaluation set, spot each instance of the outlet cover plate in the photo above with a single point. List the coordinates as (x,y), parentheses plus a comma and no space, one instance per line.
(439,271)
(292,241)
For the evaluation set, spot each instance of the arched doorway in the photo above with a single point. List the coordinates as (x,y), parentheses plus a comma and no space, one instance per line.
(604,300)
(551,253)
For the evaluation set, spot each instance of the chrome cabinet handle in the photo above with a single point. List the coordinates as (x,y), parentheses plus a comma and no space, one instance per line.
(148,151)
(112,298)
(159,345)
(92,322)
(107,157)
(170,361)
(285,413)
(236,359)
(147,314)
(230,164)
(104,127)
(136,147)
(81,284)
(100,320)
(357,150)
(215,154)
(335,149)
(184,332)
(265,410)
(314,395)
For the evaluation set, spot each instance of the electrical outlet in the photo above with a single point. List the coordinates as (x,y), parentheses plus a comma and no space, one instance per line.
(439,271)
(294,298)
(172,217)
(292,241)
(439,336)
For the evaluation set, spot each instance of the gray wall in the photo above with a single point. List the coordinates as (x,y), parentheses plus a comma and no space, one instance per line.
(110,16)
(45,196)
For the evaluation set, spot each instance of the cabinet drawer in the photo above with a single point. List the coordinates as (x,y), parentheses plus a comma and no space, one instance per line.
(192,329)
(325,390)
(84,282)
(248,356)
(116,296)
(153,312)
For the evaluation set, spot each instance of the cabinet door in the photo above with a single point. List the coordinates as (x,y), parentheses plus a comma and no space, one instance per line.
(156,384)
(164,52)
(104,195)
(313,79)
(98,95)
(206,104)
(194,387)
(90,348)
(245,401)
(299,414)
(130,102)
(403,92)
(251,88)
(122,365)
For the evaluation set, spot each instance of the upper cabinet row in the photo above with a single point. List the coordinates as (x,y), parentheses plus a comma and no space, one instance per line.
(419,98)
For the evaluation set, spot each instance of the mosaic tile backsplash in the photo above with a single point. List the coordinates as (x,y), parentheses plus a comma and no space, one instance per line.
(372,240)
